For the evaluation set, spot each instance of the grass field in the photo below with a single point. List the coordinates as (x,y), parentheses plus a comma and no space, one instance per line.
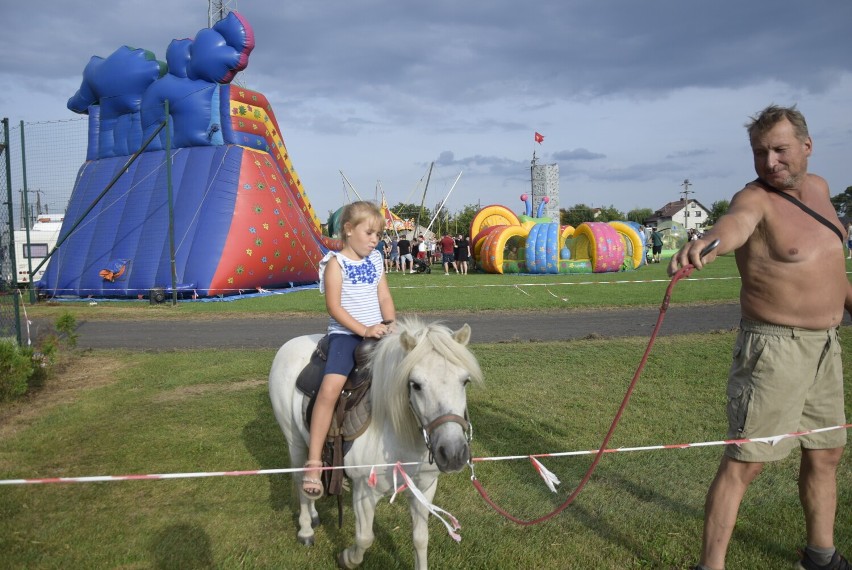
(118,413)
(436,292)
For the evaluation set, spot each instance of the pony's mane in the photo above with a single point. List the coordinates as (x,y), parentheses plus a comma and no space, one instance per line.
(392,365)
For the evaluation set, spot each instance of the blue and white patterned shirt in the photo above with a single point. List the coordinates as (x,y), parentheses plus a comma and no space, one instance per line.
(359,294)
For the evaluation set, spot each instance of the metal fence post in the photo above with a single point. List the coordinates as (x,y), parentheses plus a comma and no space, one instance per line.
(8,281)
(26,213)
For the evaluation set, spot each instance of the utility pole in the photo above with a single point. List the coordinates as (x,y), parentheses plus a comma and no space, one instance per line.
(686,192)
(218,9)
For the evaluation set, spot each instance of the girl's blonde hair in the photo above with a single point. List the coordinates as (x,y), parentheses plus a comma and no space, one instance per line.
(358,212)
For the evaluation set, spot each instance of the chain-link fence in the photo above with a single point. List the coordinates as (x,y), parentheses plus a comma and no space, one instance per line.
(46,157)
(38,167)
(9,309)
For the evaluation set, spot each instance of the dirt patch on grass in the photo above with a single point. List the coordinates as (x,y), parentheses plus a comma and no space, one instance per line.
(69,380)
(187,392)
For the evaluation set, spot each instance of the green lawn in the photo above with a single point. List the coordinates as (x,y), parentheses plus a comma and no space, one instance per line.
(117,412)
(122,412)
(436,292)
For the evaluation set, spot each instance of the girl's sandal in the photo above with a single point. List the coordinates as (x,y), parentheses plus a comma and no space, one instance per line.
(312,488)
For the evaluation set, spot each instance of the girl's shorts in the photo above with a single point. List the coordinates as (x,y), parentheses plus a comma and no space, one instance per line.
(341,353)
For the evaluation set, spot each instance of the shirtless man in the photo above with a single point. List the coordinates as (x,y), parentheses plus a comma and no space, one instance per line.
(786,373)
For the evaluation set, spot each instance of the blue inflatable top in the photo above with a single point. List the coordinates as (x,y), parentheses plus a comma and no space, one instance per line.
(241,218)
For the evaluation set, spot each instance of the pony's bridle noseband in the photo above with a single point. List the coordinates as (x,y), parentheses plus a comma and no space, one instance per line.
(427,429)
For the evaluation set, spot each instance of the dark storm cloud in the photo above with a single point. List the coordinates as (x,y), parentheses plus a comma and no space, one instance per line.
(489,164)
(552,50)
(51,39)
(637,172)
(691,153)
(576,154)
(412,59)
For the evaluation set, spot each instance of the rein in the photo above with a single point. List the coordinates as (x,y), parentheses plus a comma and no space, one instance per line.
(685,271)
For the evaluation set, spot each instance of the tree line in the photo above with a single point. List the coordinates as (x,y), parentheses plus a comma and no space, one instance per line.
(459,222)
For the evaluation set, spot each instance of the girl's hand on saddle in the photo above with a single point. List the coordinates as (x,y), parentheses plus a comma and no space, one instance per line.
(377,331)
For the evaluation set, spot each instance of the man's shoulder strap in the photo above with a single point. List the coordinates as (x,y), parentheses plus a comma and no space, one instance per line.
(793,200)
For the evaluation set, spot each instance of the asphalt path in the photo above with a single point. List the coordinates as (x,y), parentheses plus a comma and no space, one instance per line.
(272,332)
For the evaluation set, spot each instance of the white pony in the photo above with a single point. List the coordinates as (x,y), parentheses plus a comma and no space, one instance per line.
(419,415)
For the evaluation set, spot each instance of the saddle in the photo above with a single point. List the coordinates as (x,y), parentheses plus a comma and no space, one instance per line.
(352,412)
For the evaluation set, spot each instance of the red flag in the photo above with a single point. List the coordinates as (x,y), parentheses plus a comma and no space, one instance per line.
(539,138)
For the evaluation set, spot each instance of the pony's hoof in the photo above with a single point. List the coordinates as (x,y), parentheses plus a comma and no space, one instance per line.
(341,561)
(315,522)
(306,540)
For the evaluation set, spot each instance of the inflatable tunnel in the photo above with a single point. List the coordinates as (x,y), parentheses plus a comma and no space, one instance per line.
(494,245)
(240,218)
(633,241)
(600,243)
(539,246)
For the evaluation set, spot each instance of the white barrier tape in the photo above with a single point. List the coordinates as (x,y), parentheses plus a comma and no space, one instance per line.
(159,476)
(550,478)
(26,318)
(313,286)
(452,525)
(619,282)
(106,478)
(771,439)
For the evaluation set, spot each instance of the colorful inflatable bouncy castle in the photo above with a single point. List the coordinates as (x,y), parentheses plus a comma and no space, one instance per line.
(539,245)
(241,218)
(600,243)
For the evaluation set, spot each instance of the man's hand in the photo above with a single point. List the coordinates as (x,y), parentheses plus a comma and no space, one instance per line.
(696,253)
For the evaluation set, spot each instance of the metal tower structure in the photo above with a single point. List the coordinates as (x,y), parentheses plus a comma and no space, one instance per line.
(545,182)
(218,9)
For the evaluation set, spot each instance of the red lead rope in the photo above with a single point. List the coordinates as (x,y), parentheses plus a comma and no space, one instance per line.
(683,272)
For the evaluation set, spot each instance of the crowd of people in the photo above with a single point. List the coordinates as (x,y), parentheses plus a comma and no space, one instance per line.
(399,251)
(453,252)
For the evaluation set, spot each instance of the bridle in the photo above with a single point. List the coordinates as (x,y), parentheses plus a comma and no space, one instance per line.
(428,428)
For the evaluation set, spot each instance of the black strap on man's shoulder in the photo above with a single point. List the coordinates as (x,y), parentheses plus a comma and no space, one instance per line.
(793,200)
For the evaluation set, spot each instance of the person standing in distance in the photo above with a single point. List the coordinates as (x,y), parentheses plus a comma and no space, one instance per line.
(463,253)
(405,254)
(656,244)
(849,240)
(786,375)
(448,245)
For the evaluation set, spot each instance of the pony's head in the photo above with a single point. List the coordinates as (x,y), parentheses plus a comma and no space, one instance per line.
(419,377)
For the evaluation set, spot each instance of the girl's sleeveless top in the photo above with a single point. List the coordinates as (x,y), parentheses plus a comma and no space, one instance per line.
(359,293)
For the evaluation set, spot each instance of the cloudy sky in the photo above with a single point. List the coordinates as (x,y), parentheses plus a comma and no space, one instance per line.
(632,96)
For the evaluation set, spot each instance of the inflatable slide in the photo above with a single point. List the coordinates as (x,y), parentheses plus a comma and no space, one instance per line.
(240,217)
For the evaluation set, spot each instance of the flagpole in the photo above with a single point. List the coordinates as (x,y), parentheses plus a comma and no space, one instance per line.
(538,138)
(423,200)
(444,202)
(385,204)
(350,185)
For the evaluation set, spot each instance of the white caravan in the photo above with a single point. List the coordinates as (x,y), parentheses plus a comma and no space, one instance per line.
(43,236)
